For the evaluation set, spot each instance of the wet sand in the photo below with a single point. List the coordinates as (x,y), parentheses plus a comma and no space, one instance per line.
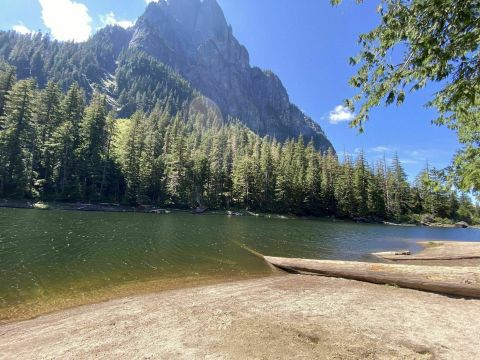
(283,317)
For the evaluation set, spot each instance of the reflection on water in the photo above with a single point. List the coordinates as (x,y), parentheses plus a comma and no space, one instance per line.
(55,259)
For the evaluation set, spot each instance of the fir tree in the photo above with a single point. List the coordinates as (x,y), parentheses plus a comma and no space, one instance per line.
(17,140)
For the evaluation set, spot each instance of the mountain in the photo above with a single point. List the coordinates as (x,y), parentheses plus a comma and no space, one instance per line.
(180,47)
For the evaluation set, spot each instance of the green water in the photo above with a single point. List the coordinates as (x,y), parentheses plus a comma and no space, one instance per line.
(62,258)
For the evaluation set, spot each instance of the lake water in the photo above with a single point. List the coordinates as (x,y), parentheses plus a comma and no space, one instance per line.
(55,259)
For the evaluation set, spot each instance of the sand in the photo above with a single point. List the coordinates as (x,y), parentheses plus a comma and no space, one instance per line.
(279,317)
(445,253)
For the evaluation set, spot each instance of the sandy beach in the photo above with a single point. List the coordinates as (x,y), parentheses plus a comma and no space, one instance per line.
(283,317)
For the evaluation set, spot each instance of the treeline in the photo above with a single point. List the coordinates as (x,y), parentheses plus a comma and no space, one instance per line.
(132,79)
(55,146)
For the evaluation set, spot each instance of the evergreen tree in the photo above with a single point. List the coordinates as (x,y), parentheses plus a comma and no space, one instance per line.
(67,140)
(130,157)
(344,189)
(93,147)
(175,162)
(48,117)
(218,169)
(242,181)
(376,195)
(399,189)
(7,79)
(17,141)
(313,176)
(267,172)
(361,185)
(284,190)
(330,172)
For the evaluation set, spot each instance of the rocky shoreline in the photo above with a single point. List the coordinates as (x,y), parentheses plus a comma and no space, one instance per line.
(112,207)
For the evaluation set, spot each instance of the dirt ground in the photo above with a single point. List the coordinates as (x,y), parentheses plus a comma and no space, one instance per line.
(280,317)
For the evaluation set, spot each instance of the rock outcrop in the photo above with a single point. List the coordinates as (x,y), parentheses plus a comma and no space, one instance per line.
(194,38)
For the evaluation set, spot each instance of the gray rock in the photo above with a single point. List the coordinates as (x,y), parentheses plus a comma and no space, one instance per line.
(462,224)
(193,37)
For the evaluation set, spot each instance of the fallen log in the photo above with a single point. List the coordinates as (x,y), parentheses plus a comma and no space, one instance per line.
(458,281)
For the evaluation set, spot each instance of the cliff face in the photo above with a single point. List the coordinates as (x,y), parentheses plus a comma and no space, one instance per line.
(193,37)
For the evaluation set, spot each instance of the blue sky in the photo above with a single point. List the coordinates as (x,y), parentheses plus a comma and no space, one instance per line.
(306,42)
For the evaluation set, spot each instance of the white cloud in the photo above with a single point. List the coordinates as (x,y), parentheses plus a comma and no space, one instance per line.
(408,161)
(340,114)
(149,1)
(382,149)
(109,19)
(22,29)
(66,19)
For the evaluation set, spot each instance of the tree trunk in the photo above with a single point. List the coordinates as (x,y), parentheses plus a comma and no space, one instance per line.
(458,281)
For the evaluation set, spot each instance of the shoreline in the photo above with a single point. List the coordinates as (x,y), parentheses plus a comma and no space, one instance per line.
(65,302)
(291,316)
(298,316)
(440,253)
(154,210)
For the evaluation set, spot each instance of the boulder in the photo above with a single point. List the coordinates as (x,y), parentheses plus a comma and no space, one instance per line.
(462,224)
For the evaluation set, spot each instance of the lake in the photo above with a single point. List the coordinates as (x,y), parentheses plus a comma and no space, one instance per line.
(51,260)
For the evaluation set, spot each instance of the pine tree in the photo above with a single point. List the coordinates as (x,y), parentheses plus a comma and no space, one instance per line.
(67,140)
(267,171)
(298,171)
(330,174)
(284,192)
(425,186)
(93,147)
(399,189)
(313,176)
(361,185)
(109,174)
(344,189)
(152,164)
(17,140)
(7,79)
(47,119)
(217,170)
(176,162)
(130,156)
(243,181)
(376,195)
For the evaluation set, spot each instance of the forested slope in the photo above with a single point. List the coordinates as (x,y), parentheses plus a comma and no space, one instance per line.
(57,146)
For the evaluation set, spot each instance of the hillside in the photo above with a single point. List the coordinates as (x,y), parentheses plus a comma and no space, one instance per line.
(177,50)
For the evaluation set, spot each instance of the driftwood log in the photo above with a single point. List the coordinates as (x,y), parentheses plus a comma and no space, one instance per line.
(458,281)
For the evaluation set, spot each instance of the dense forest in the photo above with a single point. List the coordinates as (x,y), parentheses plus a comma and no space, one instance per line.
(60,146)
(130,78)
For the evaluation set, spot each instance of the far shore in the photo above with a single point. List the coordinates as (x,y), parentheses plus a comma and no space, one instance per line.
(152,209)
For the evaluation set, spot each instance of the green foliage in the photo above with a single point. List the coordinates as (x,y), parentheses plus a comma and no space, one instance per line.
(17,140)
(420,42)
(143,83)
(59,146)
(65,63)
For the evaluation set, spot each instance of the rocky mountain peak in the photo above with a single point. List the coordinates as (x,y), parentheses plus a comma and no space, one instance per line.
(184,11)
(194,38)
(211,22)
